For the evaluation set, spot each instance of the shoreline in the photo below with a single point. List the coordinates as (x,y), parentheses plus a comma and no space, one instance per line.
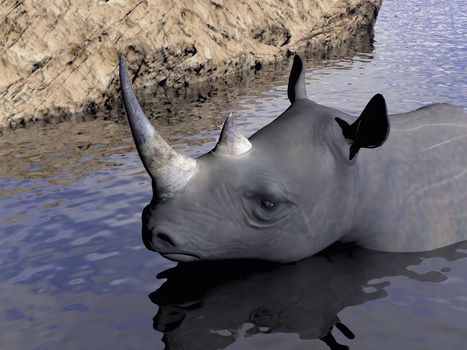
(89,84)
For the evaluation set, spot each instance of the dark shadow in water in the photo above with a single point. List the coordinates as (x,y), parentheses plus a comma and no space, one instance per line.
(204,305)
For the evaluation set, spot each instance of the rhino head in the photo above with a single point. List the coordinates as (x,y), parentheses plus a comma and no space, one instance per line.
(284,194)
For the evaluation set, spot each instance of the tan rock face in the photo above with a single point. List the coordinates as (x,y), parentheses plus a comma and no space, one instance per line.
(61,57)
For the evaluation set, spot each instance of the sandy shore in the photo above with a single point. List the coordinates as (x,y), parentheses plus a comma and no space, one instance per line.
(59,59)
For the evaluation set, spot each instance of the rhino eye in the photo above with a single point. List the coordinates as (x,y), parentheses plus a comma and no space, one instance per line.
(267,203)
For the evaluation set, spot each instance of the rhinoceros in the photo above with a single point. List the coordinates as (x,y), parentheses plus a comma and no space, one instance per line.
(313,176)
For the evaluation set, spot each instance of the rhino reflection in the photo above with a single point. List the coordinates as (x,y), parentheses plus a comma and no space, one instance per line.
(205,305)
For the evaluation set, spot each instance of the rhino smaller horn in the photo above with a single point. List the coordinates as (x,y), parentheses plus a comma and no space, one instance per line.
(231,142)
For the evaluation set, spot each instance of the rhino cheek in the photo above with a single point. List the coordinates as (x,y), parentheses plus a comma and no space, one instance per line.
(302,237)
(284,241)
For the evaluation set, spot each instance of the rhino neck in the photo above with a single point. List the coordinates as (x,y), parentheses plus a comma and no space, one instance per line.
(346,184)
(375,191)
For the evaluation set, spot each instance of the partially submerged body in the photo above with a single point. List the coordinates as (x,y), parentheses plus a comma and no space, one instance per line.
(413,189)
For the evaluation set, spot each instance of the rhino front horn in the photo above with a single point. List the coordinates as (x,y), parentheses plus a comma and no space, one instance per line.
(169,170)
(231,142)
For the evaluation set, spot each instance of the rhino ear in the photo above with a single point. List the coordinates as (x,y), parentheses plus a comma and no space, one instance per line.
(296,89)
(370,130)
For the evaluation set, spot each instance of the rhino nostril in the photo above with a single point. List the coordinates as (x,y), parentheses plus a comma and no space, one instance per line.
(165,238)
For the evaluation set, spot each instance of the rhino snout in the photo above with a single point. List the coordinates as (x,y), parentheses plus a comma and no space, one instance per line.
(163,237)
(164,243)
(158,240)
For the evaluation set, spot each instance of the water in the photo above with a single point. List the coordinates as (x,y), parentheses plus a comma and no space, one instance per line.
(74,273)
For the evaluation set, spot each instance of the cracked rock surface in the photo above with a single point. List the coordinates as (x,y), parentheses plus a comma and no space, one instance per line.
(60,57)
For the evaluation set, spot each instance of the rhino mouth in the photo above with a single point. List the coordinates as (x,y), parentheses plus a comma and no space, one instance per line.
(180,257)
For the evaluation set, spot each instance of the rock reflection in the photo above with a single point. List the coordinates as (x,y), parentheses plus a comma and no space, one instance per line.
(206,305)
(64,150)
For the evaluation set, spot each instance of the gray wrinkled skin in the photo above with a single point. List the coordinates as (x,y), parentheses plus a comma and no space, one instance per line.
(407,195)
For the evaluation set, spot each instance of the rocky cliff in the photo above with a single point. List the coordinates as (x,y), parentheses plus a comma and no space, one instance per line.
(60,57)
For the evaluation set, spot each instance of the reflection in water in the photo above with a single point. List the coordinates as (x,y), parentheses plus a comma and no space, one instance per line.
(190,120)
(206,305)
